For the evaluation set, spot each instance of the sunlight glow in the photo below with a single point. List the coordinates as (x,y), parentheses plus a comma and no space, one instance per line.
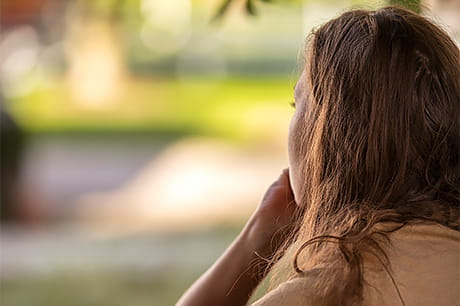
(167,25)
(19,52)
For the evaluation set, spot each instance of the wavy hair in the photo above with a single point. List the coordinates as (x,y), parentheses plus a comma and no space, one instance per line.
(378,144)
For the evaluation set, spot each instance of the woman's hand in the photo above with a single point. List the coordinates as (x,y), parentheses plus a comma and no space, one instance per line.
(273,221)
(234,276)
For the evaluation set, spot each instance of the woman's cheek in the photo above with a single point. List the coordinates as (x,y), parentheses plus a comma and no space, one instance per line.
(293,157)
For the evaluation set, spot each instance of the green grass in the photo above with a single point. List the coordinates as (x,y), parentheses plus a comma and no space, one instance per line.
(234,108)
(125,284)
(97,288)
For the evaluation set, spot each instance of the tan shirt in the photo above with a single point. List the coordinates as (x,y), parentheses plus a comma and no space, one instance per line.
(425,259)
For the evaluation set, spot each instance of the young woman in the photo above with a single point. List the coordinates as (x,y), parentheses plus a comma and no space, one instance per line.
(373,218)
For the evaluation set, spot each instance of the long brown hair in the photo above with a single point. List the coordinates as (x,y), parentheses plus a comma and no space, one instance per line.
(379,141)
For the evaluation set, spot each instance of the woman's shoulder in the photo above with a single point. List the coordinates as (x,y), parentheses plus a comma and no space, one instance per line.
(429,231)
(424,240)
(420,254)
(297,291)
(424,265)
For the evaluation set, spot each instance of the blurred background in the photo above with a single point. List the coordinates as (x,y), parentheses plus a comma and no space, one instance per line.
(138,136)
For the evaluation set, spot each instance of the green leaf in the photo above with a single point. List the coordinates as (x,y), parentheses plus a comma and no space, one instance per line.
(222,10)
(250,8)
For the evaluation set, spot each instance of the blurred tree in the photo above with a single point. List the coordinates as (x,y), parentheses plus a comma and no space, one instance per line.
(250,6)
(413,5)
(12,144)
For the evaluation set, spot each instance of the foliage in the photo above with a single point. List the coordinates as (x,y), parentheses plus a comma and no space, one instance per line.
(251,8)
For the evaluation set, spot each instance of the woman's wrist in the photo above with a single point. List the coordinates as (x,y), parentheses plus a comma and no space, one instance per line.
(248,255)
(256,239)
(232,278)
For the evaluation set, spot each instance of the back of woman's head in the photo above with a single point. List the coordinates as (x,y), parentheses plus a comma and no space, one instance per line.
(379,138)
